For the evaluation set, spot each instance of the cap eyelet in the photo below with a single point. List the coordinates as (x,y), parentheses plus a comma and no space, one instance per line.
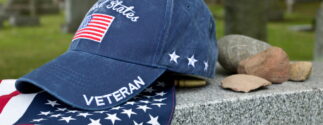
(211,25)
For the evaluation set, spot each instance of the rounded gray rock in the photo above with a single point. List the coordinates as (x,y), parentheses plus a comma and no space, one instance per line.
(234,48)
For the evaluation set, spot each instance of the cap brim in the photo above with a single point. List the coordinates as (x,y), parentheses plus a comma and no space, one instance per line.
(89,81)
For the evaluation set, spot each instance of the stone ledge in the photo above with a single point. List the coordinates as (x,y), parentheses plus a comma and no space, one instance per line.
(287,103)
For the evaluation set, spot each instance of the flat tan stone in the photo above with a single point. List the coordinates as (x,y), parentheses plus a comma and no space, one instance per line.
(244,83)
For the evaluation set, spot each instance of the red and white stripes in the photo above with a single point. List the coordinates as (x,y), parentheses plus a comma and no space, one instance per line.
(96,28)
(12,104)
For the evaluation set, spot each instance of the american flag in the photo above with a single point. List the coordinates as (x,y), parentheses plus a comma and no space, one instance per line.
(154,106)
(94,27)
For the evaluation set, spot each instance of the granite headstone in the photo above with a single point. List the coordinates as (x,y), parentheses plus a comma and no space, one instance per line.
(319,35)
(246,17)
(1,22)
(19,7)
(22,20)
(290,5)
(47,7)
(31,7)
(275,10)
(1,16)
(22,12)
(75,10)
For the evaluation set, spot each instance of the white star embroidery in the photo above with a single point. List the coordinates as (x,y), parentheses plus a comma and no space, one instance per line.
(206,65)
(38,120)
(135,123)
(128,112)
(150,90)
(52,103)
(44,113)
(116,108)
(100,112)
(191,61)
(143,107)
(67,119)
(158,104)
(84,114)
(160,93)
(148,96)
(56,116)
(144,101)
(72,111)
(130,103)
(113,118)
(61,109)
(161,84)
(95,122)
(160,100)
(153,120)
(173,57)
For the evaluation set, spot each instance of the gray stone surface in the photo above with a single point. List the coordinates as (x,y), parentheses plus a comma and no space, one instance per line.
(246,17)
(75,11)
(294,103)
(319,35)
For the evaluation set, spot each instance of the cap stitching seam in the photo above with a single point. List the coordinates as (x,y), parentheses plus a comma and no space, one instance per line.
(125,61)
(166,30)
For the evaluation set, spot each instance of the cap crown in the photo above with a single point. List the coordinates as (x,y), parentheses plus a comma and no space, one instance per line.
(177,35)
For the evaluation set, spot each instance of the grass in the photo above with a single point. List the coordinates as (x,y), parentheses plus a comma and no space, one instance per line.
(24,49)
(298,45)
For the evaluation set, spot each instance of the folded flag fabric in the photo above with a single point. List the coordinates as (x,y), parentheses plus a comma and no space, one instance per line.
(154,106)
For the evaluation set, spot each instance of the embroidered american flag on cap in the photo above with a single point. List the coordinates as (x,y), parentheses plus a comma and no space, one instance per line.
(94,27)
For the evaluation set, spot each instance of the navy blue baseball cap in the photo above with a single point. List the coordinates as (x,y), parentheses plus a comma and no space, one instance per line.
(122,47)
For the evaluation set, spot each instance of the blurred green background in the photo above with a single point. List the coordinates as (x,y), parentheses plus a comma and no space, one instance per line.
(26,48)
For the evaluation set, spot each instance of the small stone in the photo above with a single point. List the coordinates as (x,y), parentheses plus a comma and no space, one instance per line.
(244,83)
(271,64)
(300,71)
(234,48)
